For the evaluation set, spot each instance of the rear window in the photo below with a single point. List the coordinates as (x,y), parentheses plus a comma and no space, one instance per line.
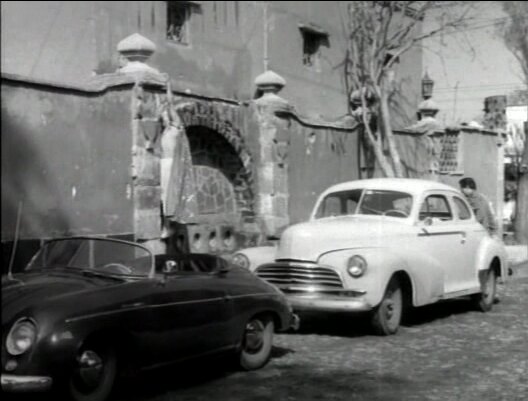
(436,206)
(462,209)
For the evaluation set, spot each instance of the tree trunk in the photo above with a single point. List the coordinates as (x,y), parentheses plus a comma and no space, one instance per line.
(521,213)
(385,166)
(389,135)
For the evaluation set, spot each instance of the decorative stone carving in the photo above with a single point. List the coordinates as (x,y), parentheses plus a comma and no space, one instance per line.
(355,98)
(268,85)
(134,51)
(270,81)
(428,108)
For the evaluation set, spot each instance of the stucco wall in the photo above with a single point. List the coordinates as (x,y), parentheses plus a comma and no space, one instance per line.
(67,156)
(480,160)
(230,44)
(318,158)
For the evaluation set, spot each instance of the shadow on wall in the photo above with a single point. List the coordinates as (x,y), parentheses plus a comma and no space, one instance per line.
(24,176)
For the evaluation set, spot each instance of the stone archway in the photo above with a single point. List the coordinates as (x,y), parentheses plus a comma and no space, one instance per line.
(222,190)
(218,171)
(211,130)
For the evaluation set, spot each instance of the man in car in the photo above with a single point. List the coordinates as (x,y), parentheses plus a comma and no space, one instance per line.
(480,204)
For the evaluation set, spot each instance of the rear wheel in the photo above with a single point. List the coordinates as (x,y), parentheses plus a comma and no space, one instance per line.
(388,314)
(484,300)
(256,343)
(94,373)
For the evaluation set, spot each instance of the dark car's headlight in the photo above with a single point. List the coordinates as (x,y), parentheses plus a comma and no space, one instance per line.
(21,336)
(356,266)
(241,260)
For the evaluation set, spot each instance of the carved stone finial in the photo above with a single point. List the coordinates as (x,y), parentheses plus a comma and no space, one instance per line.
(428,108)
(270,82)
(355,98)
(136,50)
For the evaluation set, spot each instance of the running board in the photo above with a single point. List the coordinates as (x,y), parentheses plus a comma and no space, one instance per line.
(461,293)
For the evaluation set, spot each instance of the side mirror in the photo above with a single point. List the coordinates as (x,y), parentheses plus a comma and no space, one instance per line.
(428,221)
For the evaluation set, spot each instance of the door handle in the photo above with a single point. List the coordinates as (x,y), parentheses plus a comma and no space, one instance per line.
(228,298)
(463,239)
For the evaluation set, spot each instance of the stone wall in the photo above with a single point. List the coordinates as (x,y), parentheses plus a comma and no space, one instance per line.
(65,163)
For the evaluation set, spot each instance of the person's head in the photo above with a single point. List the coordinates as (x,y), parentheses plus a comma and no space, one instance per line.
(467,185)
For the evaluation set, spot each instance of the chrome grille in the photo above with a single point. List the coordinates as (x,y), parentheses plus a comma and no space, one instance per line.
(287,274)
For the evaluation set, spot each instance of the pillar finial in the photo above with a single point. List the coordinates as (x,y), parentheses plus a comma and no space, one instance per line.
(135,50)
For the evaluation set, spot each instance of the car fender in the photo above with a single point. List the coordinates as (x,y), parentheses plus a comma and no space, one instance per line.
(258,255)
(490,248)
(383,263)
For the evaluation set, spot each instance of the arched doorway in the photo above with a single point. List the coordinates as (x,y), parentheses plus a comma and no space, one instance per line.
(223,194)
(222,189)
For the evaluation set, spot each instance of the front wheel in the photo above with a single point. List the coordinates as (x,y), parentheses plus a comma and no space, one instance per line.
(94,373)
(256,343)
(484,300)
(388,314)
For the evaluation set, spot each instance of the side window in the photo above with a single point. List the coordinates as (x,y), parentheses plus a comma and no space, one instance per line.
(332,207)
(351,206)
(436,206)
(462,209)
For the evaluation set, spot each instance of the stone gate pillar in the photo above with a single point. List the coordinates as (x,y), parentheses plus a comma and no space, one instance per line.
(274,115)
(146,130)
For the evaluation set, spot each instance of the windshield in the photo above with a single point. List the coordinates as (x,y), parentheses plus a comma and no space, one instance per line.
(103,256)
(365,201)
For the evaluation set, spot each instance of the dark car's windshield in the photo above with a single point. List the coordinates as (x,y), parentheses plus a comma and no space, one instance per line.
(365,201)
(93,255)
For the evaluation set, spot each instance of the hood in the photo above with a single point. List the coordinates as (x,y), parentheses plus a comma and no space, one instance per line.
(34,289)
(308,241)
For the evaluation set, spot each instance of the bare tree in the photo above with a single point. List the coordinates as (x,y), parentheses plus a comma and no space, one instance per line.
(515,35)
(379,33)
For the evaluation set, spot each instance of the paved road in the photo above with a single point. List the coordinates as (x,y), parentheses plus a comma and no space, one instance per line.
(449,352)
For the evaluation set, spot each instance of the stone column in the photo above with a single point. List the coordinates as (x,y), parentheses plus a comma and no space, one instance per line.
(427,111)
(274,120)
(146,129)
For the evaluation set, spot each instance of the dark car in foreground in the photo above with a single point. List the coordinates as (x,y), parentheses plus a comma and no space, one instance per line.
(84,307)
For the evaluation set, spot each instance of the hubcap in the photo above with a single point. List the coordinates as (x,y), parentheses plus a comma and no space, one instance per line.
(389,308)
(254,336)
(392,309)
(90,369)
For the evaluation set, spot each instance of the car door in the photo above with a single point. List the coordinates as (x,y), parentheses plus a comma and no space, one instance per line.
(443,238)
(473,234)
(191,310)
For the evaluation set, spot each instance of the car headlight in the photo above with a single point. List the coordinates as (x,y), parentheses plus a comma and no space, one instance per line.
(356,266)
(241,260)
(21,336)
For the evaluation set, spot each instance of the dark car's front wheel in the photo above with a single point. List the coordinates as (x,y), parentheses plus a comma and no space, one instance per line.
(94,373)
(256,343)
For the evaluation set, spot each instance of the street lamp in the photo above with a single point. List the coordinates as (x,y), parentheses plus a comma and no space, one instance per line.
(427,86)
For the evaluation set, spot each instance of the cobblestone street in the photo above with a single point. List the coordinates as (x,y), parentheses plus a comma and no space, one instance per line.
(448,352)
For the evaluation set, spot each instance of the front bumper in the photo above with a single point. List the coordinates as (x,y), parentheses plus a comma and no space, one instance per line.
(15,383)
(323,303)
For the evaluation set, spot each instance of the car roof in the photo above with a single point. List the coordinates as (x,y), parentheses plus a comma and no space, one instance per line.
(409,185)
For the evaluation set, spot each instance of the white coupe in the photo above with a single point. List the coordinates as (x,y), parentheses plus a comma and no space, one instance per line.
(380,246)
